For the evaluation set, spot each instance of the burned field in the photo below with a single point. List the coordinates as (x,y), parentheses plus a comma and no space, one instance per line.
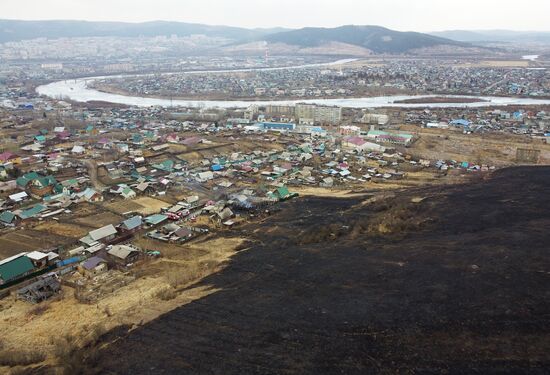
(440,279)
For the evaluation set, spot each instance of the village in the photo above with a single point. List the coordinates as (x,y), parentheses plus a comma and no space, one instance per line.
(110,214)
(364,77)
(221,187)
(103,193)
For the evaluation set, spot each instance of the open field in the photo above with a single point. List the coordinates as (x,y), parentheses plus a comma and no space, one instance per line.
(14,242)
(495,64)
(142,205)
(99,220)
(492,149)
(63,229)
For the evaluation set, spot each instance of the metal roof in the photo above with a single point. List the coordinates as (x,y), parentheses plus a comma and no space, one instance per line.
(15,267)
(101,233)
(132,222)
(121,251)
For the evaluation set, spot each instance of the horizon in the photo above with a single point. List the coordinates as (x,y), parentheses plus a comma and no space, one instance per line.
(400,15)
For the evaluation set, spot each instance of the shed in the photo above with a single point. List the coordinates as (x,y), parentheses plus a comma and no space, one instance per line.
(15,267)
(94,265)
(39,290)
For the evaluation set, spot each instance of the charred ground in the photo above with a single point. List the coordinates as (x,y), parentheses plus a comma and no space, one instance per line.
(443,279)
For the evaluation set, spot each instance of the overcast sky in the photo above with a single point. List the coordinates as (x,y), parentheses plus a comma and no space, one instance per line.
(415,15)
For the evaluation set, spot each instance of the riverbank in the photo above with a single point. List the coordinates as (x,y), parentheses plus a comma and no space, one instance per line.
(440,99)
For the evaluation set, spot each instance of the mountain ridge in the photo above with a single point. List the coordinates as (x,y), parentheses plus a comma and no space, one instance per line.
(377,39)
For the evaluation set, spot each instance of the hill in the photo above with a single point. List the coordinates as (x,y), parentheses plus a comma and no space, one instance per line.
(374,38)
(443,279)
(15,30)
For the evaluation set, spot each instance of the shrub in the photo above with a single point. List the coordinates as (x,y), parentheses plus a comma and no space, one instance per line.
(166,294)
(38,310)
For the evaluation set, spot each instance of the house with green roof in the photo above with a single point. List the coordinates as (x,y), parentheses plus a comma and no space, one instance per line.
(7,217)
(167,166)
(42,186)
(14,268)
(156,219)
(128,193)
(24,180)
(40,138)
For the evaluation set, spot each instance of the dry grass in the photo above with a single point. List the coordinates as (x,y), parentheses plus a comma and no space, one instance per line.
(63,229)
(143,205)
(99,220)
(13,357)
(153,294)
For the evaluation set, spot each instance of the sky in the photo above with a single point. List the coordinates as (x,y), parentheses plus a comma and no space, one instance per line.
(403,15)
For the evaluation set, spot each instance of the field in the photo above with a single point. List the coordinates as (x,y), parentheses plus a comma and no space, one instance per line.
(496,64)
(142,205)
(63,229)
(14,242)
(492,149)
(99,220)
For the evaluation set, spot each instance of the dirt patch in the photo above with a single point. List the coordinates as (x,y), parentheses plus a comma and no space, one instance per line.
(142,205)
(99,220)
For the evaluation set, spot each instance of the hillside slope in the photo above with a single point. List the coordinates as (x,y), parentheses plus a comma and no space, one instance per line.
(455,283)
(374,38)
(15,30)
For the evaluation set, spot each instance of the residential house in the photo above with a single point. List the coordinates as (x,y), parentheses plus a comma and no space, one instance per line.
(128,193)
(90,195)
(93,266)
(7,218)
(32,212)
(123,255)
(103,235)
(131,225)
(8,157)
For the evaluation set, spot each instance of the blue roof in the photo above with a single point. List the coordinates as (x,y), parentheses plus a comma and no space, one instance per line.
(216,167)
(461,122)
(7,217)
(132,223)
(277,125)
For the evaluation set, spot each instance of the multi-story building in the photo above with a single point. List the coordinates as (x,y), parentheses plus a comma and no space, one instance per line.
(318,114)
(280,110)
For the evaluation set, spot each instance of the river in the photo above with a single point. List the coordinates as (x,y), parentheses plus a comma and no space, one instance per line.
(78,90)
